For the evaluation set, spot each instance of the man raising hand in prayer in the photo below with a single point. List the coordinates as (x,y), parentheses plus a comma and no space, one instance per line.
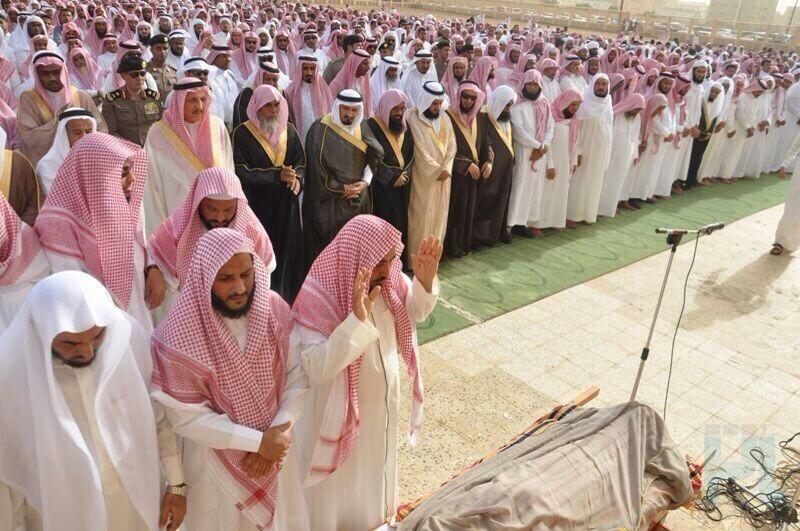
(355,319)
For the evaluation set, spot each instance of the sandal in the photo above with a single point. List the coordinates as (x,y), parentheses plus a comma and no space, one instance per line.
(777,249)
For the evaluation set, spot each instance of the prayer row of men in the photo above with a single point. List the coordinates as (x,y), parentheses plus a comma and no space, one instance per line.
(189,199)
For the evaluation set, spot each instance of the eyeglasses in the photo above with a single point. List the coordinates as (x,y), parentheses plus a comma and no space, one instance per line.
(140,73)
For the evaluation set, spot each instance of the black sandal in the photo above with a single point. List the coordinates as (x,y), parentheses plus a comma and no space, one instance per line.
(777,249)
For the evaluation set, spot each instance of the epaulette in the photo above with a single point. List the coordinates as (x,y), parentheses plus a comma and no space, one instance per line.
(151,93)
(114,94)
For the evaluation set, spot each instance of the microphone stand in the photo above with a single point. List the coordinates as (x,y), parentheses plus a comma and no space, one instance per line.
(674,239)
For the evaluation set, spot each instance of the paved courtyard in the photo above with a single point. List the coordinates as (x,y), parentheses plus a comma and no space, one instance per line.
(735,380)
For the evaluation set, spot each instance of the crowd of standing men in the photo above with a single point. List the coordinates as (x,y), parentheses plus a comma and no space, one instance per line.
(207,212)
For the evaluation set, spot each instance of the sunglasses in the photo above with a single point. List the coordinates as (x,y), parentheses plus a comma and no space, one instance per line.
(140,73)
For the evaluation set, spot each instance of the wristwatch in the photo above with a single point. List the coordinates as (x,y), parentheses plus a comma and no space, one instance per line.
(180,490)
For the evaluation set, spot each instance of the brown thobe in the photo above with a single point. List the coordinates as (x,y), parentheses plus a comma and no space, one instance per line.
(335,158)
(494,193)
(37,123)
(19,186)
(471,148)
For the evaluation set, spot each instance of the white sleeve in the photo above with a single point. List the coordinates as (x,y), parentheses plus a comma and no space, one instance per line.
(168,447)
(203,425)
(367,178)
(660,128)
(420,303)
(793,104)
(522,134)
(793,152)
(294,391)
(548,133)
(323,358)
(60,262)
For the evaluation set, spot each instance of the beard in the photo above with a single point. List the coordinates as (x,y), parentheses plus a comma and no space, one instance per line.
(430,115)
(568,114)
(72,363)
(269,126)
(210,225)
(144,39)
(504,116)
(601,93)
(396,125)
(531,95)
(227,313)
(491,76)
(466,110)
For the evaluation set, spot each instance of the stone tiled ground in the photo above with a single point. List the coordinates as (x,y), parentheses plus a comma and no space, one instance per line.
(736,375)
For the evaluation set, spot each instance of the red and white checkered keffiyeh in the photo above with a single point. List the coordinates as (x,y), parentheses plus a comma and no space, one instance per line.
(346,79)
(246,61)
(326,299)
(321,97)
(389,100)
(200,144)
(18,244)
(174,241)
(263,95)
(48,58)
(196,360)
(86,216)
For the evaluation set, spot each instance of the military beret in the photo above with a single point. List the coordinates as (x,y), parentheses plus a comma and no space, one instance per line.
(159,39)
(131,63)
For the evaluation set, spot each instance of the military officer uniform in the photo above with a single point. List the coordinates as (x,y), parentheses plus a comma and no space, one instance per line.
(127,117)
(165,76)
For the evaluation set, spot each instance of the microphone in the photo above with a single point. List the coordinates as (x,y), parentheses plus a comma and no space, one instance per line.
(712,227)
(705,229)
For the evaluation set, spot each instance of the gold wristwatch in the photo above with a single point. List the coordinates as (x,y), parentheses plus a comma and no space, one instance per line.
(180,490)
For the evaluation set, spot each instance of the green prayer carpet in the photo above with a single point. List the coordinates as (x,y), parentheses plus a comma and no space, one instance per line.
(491,282)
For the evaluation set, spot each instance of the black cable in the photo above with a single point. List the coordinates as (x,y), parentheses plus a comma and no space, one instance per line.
(758,509)
(678,324)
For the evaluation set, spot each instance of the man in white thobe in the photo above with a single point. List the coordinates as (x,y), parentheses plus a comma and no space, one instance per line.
(233,390)
(311,39)
(22,262)
(73,124)
(532,124)
(187,140)
(572,78)
(199,68)
(787,235)
(624,150)
(81,440)
(693,110)
(417,73)
(223,80)
(597,122)
(356,317)
(92,222)
(215,200)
